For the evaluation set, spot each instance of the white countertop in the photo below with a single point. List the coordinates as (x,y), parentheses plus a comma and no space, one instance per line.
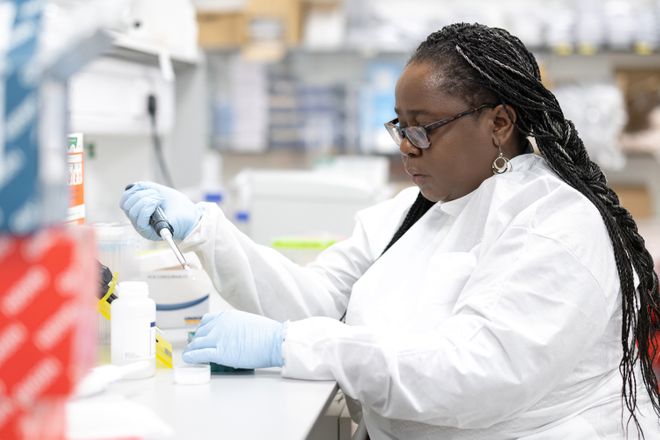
(252,405)
(255,405)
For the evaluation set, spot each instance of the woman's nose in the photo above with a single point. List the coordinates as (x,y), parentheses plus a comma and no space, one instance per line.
(408,149)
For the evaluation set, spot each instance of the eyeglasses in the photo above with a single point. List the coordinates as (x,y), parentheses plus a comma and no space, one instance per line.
(419,135)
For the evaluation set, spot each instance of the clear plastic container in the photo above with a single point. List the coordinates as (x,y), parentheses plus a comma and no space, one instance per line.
(118,245)
(133,328)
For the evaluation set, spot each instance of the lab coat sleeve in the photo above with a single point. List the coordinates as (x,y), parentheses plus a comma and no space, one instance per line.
(260,280)
(518,328)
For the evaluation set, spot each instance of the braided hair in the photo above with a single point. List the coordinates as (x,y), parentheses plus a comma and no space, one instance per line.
(480,63)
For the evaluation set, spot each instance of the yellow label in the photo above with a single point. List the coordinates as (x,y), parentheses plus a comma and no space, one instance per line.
(192,321)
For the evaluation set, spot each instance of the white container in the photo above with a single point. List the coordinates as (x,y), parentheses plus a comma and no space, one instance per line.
(133,328)
(302,202)
(186,374)
(182,296)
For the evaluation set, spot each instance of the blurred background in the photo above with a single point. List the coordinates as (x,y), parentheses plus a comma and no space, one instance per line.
(284,85)
(296,84)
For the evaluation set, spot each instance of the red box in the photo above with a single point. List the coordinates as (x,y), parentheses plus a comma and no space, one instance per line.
(48,326)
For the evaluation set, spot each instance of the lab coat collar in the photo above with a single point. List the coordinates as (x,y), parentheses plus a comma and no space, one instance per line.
(454,207)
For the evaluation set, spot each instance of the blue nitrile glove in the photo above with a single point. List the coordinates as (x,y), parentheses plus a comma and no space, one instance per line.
(237,339)
(142,199)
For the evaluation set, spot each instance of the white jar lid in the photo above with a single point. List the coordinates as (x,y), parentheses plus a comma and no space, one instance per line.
(188,374)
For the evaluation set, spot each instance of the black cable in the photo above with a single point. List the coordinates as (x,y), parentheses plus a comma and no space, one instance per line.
(155,140)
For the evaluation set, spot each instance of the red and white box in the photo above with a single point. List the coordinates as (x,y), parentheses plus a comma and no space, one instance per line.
(48,286)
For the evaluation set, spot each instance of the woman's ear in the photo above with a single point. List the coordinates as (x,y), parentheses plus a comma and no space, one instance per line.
(504,125)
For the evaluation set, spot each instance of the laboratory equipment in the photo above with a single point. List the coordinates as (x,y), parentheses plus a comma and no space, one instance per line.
(163,228)
(182,296)
(106,294)
(117,245)
(299,203)
(133,328)
(104,283)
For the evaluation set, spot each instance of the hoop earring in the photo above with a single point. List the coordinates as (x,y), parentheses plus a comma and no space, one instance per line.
(501,164)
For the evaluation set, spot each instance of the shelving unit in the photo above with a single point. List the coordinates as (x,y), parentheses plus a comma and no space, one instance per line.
(187,141)
(125,157)
(347,65)
(139,51)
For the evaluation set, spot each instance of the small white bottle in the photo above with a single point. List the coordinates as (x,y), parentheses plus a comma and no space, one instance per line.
(133,328)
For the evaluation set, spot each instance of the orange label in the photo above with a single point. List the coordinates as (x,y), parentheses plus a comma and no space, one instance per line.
(75,161)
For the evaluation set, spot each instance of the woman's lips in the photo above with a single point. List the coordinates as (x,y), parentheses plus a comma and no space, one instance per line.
(418,179)
(416,176)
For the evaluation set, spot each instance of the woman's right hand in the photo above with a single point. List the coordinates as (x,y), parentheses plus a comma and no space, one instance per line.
(141,200)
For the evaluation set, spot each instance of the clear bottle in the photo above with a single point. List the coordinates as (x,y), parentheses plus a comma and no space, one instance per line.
(133,328)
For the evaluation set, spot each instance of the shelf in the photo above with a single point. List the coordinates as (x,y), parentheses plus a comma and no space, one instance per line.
(538,51)
(587,63)
(143,52)
(642,155)
(613,58)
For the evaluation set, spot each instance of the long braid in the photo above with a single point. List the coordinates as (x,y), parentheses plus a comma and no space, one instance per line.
(481,62)
(416,211)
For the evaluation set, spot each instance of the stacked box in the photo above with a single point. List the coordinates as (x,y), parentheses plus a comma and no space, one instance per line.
(47,326)
(279,20)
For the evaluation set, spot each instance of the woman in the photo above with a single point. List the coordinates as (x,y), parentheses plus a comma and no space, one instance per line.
(496,301)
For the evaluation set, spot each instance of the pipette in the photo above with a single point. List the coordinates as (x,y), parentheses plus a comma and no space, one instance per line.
(163,228)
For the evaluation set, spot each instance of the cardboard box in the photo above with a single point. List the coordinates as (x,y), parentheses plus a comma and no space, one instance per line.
(286,12)
(636,198)
(247,26)
(640,90)
(221,30)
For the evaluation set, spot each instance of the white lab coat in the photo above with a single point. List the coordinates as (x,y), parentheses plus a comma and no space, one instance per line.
(496,316)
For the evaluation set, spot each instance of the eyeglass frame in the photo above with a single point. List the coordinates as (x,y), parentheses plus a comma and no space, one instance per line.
(395,130)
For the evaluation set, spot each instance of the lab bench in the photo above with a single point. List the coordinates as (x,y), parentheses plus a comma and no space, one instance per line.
(258,404)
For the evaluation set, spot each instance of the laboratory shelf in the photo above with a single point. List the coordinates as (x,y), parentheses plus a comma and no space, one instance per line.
(623,57)
(130,49)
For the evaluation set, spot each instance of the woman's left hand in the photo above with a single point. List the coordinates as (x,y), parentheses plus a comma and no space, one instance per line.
(237,339)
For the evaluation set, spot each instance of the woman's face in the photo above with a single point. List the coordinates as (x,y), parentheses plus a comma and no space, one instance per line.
(461,152)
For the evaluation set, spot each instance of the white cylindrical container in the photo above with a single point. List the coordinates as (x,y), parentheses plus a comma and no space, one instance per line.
(133,328)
